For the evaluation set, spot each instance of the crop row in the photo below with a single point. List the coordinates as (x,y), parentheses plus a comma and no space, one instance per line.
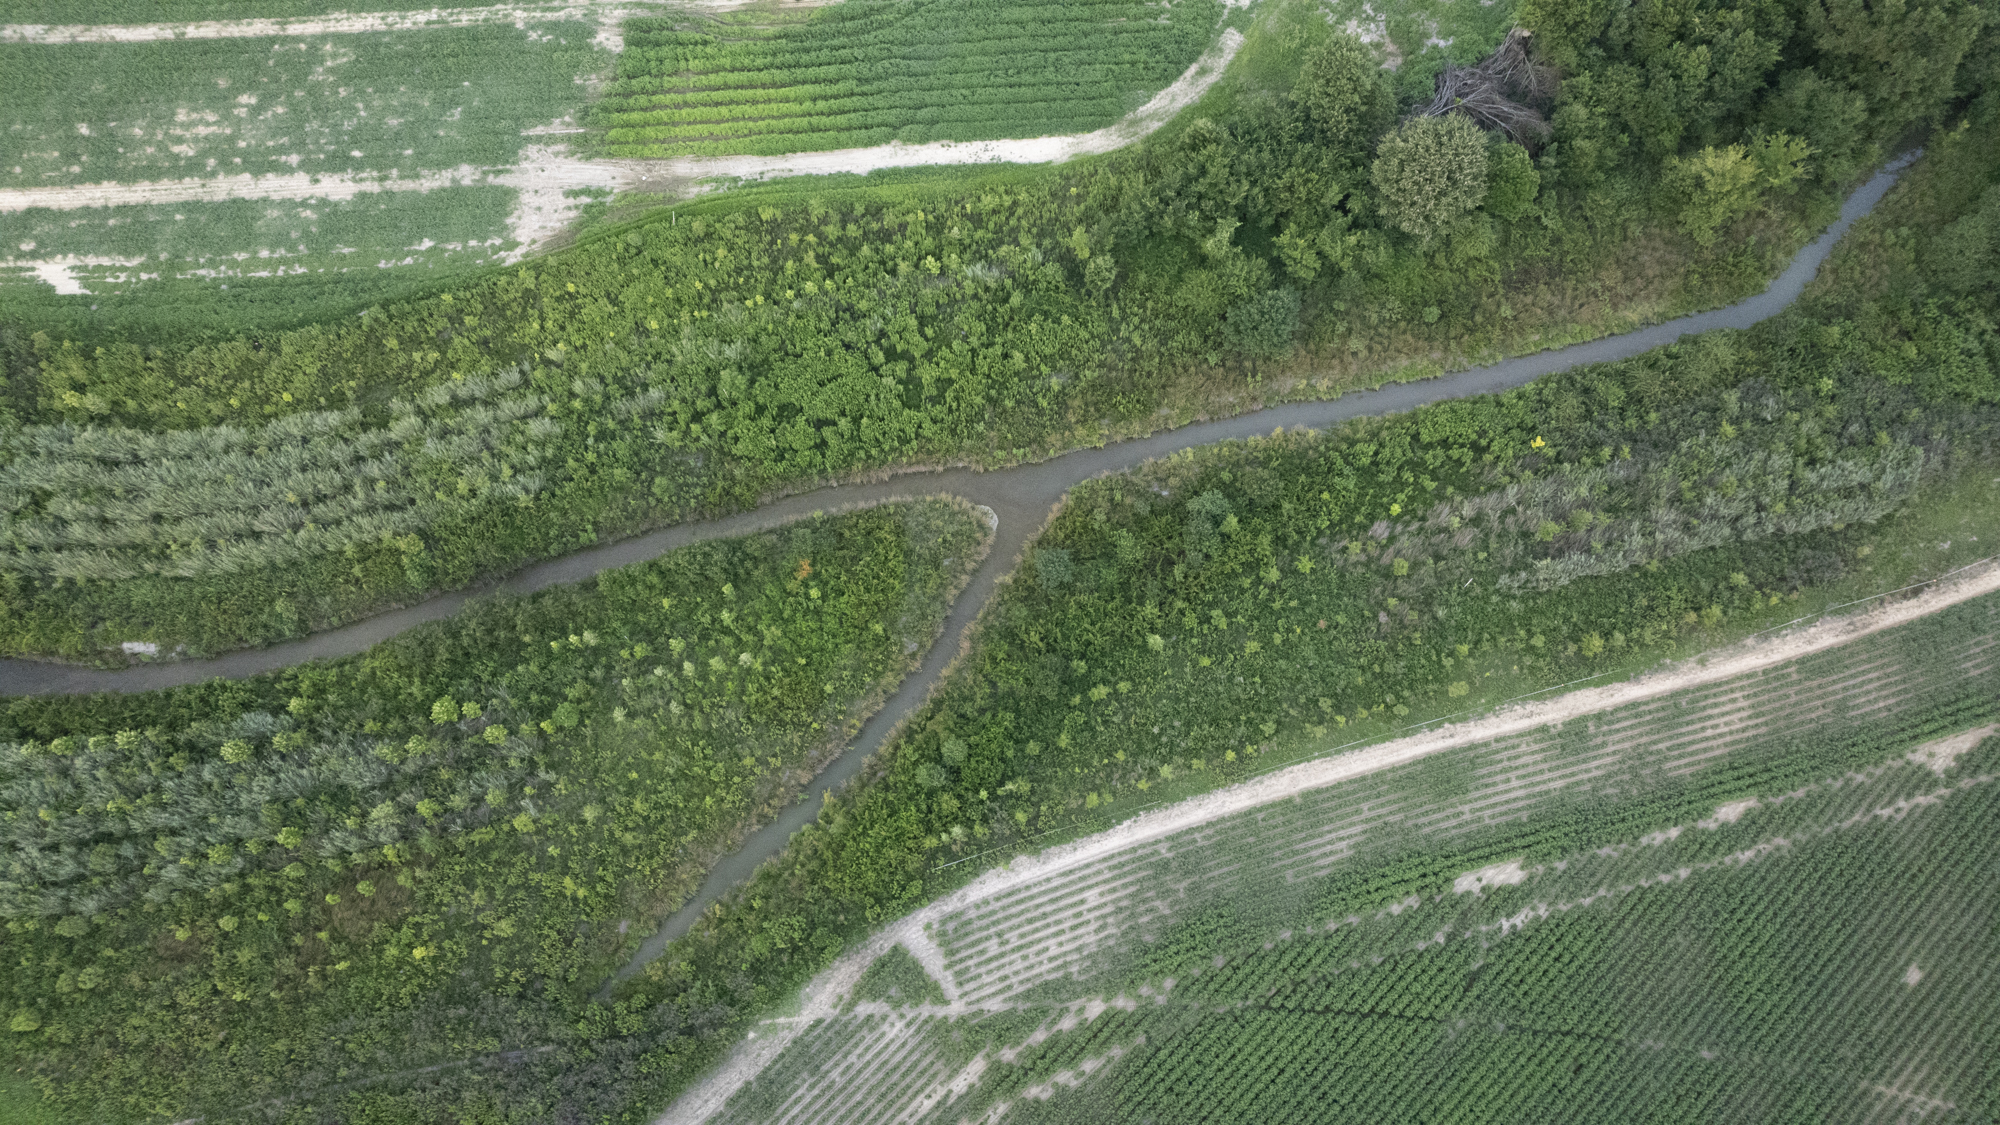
(997,93)
(860,68)
(895,63)
(1575,952)
(432,98)
(809,124)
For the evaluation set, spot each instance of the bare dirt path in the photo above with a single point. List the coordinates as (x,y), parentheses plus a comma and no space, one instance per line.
(822,996)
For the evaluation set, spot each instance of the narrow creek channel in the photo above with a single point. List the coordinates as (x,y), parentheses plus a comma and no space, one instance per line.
(1020,496)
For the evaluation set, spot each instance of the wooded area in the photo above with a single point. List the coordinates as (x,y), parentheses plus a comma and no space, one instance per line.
(697,361)
(297,894)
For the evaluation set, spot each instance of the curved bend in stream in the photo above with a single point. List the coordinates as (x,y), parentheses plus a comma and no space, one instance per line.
(1020,497)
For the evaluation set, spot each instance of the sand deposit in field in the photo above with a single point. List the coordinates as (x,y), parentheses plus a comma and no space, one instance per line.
(1942,754)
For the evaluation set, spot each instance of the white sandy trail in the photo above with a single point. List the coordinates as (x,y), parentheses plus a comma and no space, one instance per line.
(821,996)
(541,212)
(287,185)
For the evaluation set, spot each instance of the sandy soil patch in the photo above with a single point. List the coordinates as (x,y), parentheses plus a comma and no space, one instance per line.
(822,995)
(543,177)
(1941,755)
(1493,875)
(1729,813)
(60,271)
(293,186)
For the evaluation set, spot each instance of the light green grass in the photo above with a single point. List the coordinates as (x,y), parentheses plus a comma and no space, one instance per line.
(1277,34)
(365,103)
(368,105)
(21,1103)
(238,240)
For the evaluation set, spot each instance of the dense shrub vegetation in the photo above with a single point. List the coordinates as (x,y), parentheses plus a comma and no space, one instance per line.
(328,862)
(1174,623)
(903,70)
(383,888)
(697,361)
(1780,865)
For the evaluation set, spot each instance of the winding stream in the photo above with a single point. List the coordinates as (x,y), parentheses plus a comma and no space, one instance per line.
(1020,497)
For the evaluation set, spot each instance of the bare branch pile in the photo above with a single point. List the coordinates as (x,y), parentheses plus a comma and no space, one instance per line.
(1502,92)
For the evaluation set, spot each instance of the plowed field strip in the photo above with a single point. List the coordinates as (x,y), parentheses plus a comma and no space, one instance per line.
(344,24)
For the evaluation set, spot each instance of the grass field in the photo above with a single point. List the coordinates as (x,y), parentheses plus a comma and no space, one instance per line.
(20,1104)
(1757,898)
(869,72)
(170,170)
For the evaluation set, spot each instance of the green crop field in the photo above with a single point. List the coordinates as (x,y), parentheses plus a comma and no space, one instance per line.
(326,105)
(871,71)
(1767,897)
(325,164)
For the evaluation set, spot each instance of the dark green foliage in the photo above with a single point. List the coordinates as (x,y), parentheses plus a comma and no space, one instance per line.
(1893,55)
(1964,258)
(1511,182)
(1173,638)
(1263,324)
(693,363)
(433,850)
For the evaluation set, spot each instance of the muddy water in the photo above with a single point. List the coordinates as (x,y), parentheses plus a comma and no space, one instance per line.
(1021,497)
